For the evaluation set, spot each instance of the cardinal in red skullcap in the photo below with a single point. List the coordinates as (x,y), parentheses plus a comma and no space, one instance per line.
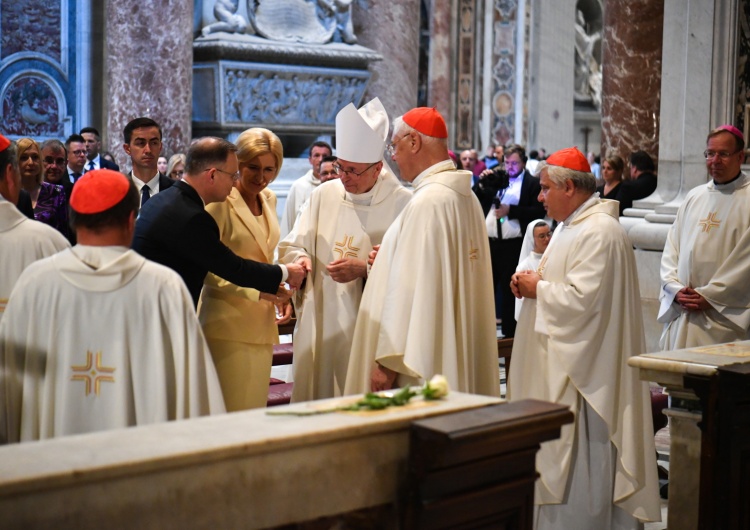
(580,322)
(428,306)
(96,337)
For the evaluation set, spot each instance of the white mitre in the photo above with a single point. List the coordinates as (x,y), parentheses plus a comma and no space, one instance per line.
(361,134)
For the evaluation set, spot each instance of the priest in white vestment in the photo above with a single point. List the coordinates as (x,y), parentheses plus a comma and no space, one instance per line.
(572,347)
(335,232)
(97,337)
(22,240)
(302,188)
(705,268)
(428,305)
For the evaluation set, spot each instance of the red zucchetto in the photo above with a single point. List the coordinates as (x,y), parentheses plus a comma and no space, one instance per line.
(570,158)
(98,190)
(426,120)
(4,143)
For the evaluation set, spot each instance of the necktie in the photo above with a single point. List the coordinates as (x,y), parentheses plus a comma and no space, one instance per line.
(76,176)
(145,195)
(92,167)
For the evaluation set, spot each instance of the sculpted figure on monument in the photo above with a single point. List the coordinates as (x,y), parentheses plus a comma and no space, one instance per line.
(587,74)
(227,19)
(306,21)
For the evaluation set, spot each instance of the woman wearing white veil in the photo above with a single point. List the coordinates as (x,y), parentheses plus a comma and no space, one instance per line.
(535,242)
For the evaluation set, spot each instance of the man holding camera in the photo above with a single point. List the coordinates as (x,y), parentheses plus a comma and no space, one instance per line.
(510,203)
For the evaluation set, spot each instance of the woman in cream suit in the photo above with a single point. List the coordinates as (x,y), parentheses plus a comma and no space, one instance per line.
(239,323)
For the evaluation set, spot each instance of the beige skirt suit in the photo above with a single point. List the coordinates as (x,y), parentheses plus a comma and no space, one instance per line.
(240,327)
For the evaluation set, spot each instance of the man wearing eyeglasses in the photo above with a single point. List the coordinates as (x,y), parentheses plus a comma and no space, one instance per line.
(335,232)
(174,228)
(143,146)
(705,268)
(54,164)
(427,307)
(515,206)
(76,147)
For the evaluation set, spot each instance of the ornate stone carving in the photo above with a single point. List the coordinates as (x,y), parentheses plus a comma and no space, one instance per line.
(304,21)
(285,97)
(31,106)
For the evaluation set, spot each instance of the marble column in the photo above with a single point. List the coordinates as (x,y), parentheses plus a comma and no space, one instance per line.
(149,70)
(631,72)
(440,68)
(391,29)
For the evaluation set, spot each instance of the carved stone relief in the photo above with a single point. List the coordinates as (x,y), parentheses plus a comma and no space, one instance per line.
(31,107)
(294,96)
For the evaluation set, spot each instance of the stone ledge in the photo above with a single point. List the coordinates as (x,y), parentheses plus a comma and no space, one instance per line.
(226,46)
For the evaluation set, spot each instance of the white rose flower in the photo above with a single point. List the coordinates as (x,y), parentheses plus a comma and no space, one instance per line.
(437,387)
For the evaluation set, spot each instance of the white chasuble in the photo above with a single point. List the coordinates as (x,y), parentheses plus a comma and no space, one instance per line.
(708,249)
(22,242)
(331,228)
(572,348)
(98,338)
(428,304)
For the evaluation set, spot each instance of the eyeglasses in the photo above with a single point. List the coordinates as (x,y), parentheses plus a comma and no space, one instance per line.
(548,235)
(392,146)
(341,171)
(79,152)
(235,176)
(721,154)
(56,161)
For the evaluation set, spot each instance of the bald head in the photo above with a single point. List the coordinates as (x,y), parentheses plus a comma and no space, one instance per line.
(413,151)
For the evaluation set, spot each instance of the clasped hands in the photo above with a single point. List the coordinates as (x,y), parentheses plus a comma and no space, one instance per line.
(523,284)
(690,300)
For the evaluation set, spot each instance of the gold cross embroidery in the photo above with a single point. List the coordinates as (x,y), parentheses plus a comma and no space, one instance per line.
(709,222)
(93,373)
(345,248)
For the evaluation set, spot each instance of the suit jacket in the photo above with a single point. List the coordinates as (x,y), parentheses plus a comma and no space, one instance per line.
(528,208)
(633,190)
(229,312)
(164,182)
(106,164)
(175,230)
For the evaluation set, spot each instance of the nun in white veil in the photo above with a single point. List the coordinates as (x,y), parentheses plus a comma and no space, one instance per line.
(535,242)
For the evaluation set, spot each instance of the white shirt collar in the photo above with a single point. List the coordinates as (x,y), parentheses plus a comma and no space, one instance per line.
(152,184)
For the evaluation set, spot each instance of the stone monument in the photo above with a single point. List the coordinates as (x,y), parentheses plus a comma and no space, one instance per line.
(288,65)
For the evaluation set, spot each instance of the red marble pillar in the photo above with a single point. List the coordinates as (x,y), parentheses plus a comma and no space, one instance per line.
(391,29)
(631,76)
(149,70)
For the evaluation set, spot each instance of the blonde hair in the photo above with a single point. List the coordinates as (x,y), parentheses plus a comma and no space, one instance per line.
(23,145)
(258,141)
(173,161)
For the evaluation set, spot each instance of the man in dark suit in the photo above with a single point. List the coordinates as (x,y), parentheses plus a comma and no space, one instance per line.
(76,149)
(143,146)
(175,230)
(93,148)
(642,181)
(515,207)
